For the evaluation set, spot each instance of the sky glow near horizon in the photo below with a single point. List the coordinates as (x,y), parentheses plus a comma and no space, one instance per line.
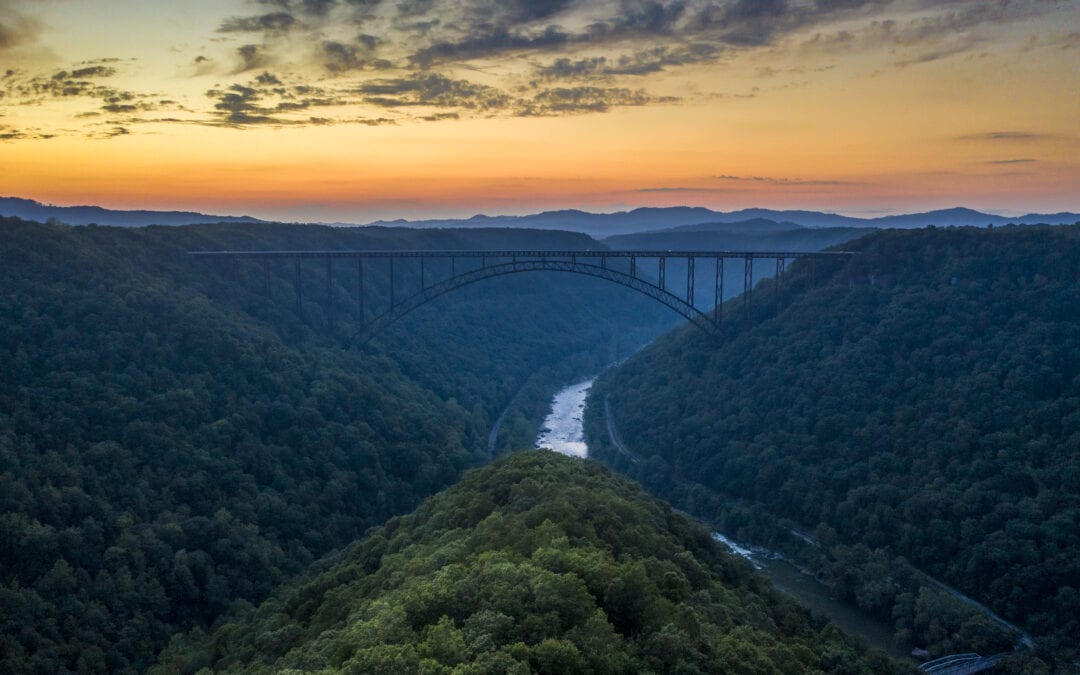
(353,110)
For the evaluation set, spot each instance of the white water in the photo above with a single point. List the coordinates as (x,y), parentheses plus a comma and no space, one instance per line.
(563,430)
(740,551)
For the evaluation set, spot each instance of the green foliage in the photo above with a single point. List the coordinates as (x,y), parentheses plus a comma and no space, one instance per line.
(538,563)
(918,401)
(174,442)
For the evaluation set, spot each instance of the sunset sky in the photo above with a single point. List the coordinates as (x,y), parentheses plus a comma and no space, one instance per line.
(353,110)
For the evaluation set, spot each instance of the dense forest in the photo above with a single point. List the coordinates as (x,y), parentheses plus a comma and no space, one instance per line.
(536,563)
(916,403)
(174,441)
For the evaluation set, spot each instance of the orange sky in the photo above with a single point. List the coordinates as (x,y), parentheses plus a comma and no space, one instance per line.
(314,110)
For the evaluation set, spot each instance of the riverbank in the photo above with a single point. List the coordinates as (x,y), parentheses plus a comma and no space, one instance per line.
(563,431)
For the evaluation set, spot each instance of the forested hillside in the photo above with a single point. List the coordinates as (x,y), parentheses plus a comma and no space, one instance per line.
(919,402)
(173,440)
(538,563)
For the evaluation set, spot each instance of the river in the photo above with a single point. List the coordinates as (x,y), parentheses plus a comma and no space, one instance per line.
(563,431)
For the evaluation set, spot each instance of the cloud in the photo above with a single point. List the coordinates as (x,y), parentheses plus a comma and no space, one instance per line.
(1009,136)
(429,89)
(497,41)
(1012,161)
(340,57)
(585,99)
(76,83)
(942,52)
(16,29)
(268,100)
(274,23)
(88,81)
(942,30)
(772,180)
(643,62)
(252,57)
(676,190)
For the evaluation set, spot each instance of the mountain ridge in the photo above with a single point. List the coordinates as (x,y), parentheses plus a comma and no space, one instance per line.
(29,209)
(537,563)
(634,221)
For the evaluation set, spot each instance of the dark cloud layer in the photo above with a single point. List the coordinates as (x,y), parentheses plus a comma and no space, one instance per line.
(303,62)
(277,22)
(267,100)
(586,99)
(16,29)
(433,90)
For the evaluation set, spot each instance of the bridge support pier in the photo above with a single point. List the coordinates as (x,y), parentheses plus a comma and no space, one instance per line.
(781,266)
(360,290)
(329,295)
(718,293)
(690,281)
(299,289)
(515,261)
(748,284)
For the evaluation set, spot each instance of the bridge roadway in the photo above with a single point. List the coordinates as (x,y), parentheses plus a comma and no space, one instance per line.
(486,264)
(523,253)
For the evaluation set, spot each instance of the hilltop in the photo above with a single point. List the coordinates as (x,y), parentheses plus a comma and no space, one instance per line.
(538,563)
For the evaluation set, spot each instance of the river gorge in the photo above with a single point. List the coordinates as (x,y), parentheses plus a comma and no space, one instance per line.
(563,431)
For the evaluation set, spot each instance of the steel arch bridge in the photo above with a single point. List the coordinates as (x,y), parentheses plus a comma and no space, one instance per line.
(469,267)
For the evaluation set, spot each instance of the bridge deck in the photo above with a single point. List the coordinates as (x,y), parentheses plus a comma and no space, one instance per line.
(486,264)
(524,253)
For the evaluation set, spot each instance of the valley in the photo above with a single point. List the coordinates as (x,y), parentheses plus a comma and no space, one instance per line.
(183,451)
(522,337)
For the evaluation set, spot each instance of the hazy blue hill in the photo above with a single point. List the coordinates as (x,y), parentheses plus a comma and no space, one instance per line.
(653,219)
(961,217)
(919,401)
(174,441)
(537,564)
(802,218)
(594,224)
(753,235)
(752,225)
(28,209)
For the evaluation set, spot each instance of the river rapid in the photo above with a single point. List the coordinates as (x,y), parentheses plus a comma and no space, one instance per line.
(563,431)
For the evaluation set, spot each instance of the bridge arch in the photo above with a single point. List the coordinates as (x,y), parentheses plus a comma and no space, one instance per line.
(494,263)
(429,293)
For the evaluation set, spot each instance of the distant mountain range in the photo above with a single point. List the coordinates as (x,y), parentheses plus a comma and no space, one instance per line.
(652,219)
(28,209)
(595,224)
